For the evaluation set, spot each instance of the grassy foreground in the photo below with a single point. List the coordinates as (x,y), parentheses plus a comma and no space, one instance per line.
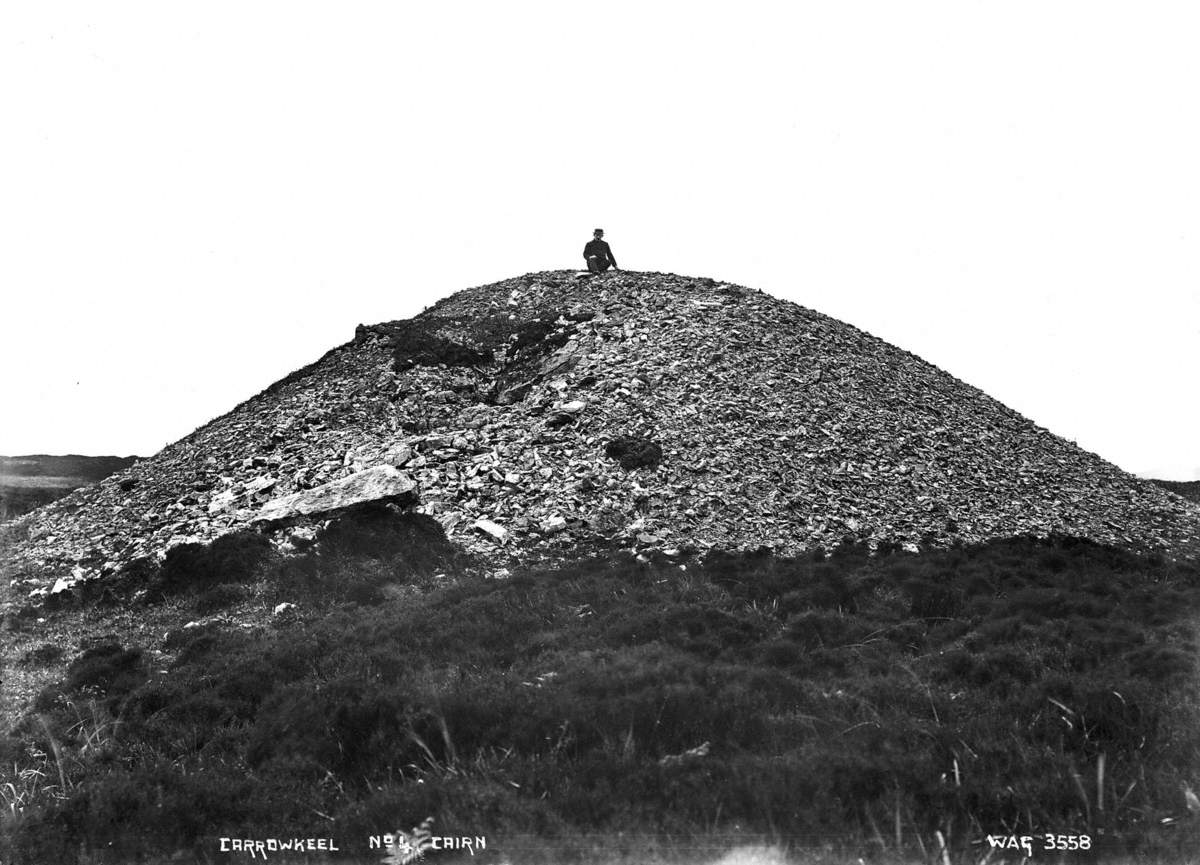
(879,706)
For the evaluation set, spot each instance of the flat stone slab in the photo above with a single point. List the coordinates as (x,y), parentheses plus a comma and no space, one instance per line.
(379,484)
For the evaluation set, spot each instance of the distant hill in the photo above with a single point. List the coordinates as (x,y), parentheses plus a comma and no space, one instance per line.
(30,481)
(1188,489)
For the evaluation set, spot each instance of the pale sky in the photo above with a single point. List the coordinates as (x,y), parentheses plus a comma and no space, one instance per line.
(198,198)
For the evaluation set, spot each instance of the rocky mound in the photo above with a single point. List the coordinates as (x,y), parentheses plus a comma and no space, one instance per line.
(657,411)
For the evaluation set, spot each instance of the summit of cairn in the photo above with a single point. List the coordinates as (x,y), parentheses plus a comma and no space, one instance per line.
(665,414)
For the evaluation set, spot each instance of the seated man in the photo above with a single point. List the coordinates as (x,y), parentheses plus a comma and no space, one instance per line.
(597,254)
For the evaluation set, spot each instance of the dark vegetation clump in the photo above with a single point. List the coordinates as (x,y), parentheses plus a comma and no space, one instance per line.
(432,340)
(424,342)
(353,558)
(134,576)
(46,653)
(230,558)
(415,342)
(871,699)
(464,341)
(383,532)
(105,674)
(356,557)
(540,333)
(634,452)
(219,597)
(109,670)
(218,572)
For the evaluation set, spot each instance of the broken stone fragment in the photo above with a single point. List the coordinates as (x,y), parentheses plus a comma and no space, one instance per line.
(514,394)
(398,455)
(380,484)
(260,485)
(297,539)
(497,532)
(365,456)
(222,501)
(562,361)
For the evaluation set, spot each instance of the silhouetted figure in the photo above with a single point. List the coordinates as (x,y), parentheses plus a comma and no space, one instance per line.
(597,254)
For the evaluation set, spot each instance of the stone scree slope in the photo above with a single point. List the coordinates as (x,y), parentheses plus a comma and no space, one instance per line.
(746,421)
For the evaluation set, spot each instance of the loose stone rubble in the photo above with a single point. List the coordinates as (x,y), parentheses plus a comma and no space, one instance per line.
(760,423)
